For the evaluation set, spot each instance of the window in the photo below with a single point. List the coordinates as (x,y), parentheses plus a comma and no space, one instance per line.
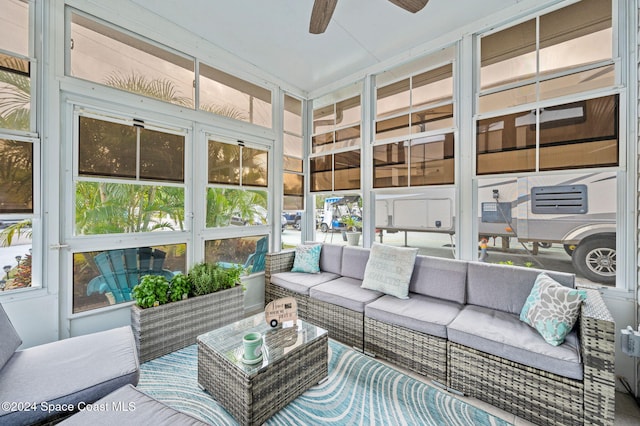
(237,182)
(19,149)
(232,97)
(106,277)
(293,155)
(248,252)
(107,55)
(130,177)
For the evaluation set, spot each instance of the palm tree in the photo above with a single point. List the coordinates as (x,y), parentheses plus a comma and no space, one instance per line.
(15,96)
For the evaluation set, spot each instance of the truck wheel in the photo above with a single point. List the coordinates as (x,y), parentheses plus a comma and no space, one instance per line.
(297,225)
(324,227)
(595,259)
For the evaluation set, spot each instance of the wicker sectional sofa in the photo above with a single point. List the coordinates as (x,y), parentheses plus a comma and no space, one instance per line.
(460,326)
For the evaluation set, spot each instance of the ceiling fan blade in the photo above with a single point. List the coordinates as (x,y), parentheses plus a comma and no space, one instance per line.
(321,15)
(412,6)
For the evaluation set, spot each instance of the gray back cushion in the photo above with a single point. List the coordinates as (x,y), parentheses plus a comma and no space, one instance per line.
(331,258)
(441,278)
(9,339)
(505,287)
(354,262)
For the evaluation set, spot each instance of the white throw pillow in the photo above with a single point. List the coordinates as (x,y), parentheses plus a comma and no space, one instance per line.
(389,270)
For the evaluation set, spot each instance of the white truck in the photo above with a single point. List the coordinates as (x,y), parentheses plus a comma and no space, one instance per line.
(575,210)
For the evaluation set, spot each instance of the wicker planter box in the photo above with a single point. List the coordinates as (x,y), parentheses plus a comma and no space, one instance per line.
(167,328)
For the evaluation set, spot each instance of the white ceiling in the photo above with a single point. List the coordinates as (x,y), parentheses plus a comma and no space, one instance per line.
(273,34)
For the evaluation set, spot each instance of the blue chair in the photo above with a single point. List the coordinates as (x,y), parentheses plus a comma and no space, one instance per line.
(255,261)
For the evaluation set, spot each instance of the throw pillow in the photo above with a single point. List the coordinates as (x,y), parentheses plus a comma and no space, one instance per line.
(552,309)
(9,338)
(307,259)
(389,270)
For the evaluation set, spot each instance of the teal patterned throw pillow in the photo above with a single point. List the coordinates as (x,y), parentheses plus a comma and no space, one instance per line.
(307,259)
(552,309)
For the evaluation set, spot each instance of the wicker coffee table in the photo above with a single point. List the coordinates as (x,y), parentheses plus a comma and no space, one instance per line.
(295,358)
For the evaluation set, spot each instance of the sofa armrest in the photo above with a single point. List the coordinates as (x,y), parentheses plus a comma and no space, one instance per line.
(278,262)
(597,341)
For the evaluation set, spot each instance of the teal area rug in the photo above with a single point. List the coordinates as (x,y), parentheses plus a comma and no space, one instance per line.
(360,390)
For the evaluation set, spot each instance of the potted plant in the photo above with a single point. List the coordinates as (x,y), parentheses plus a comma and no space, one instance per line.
(353,226)
(170,313)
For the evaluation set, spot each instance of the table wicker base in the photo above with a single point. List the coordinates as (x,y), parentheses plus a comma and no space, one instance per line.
(252,400)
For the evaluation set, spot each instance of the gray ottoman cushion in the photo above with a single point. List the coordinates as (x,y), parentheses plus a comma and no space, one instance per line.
(354,262)
(502,334)
(345,292)
(70,371)
(300,282)
(142,410)
(9,339)
(505,287)
(441,278)
(419,313)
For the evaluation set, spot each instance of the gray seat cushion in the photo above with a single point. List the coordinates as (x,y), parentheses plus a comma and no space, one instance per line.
(69,371)
(140,409)
(300,282)
(505,287)
(331,258)
(442,278)
(354,262)
(504,335)
(9,338)
(345,292)
(419,313)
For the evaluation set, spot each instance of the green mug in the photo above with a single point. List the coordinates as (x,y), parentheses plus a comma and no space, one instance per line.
(252,343)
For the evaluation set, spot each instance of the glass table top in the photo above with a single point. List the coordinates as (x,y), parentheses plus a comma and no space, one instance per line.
(278,341)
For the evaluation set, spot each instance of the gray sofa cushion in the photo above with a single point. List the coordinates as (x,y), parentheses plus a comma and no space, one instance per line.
(420,313)
(69,371)
(331,258)
(505,287)
(140,409)
(354,262)
(300,282)
(441,278)
(504,335)
(345,292)
(9,338)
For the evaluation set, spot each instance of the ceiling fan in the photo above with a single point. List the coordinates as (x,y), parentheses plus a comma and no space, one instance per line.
(323,9)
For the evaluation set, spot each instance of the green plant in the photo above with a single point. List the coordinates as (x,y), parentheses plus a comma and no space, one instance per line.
(179,287)
(209,278)
(350,222)
(151,289)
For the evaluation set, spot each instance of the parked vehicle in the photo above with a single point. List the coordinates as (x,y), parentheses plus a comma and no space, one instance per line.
(334,212)
(575,210)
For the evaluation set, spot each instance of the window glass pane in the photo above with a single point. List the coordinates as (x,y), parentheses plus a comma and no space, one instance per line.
(432,161)
(347,170)
(112,208)
(229,96)
(248,252)
(391,165)
(332,211)
(322,142)
(293,184)
(16,176)
(348,112)
(507,98)
(292,115)
(432,86)
(580,134)
(224,163)
(324,119)
(161,156)
(238,207)
(292,164)
(16,254)
(578,82)
(506,143)
(576,35)
(349,136)
(105,278)
(293,145)
(508,56)
(321,173)
(14,26)
(432,119)
(104,55)
(293,202)
(15,93)
(106,148)
(255,167)
(393,99)
(393,127)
